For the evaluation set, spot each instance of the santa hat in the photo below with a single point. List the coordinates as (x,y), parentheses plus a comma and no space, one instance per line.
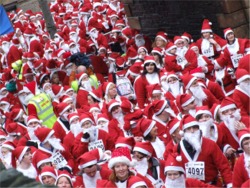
(226,31)
(149,59)
(112,104)
(206,26)
(183,100)
(9,145)
(120,155)
(135,181)
(186,122)
(128,142)
(16,113)
(18,153)
(32,119)
(57,90)
(96,94)
(162,35)
(173,124)
(106,86)
(145,148)
(135,69)
(86,117)
(202,110)
(31,87)
(157,50)
(28,32)
(66,174)
(177,39)
(187,80)
(120,62)
(119,22)
(187,36)
(197,72)
(145,126)
(65,98)
(227,103)
(102,117)
(3,135)
(242,134)
(43,134)
(193,45)
(48,171)
(153,89)
(38,63)
(159,106)
(14,128)
(63,107)
(39,159)
(170,46)
(89,158)
(19,11)
(173,163)
(142,48)
(241,74)
(113,56)
(80,76)
(214,110)
(67,88)
(127,106)
(172,74)
(72,116)
(131,53)
(94,107)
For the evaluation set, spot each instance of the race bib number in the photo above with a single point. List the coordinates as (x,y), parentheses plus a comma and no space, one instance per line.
(158,184)
(181,61)
(195,170)
(235,59)
(96,144)
(208,52)
(58,160)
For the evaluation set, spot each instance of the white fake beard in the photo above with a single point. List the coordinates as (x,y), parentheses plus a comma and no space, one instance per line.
(86,85)
(247,163)
(7,159)
(68,71)
(119,117)
(175,88)
(56,144)
(6,47)
(6,108)
(230,119)
(205,128)
(198,94)
(75,128)
(104,127)
(245,87)
(74,50)
(56,39)
(27,99)
(141,166)
(31,131)
(194,139)
(50,93)
(181,51)
(178,182)
(139,42)
(92,130)
(94,34)
(165,86)
(74,38)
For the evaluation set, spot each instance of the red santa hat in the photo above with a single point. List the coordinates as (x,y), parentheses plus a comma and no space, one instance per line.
(186,122)
(135,69)
(31,87)
(32,119)
(149,59)
(226,31)
(142,48)
(120,22)
(170,46)
(66,174)
(202,110)
(157,50)
(112,104)
(89,158)
(193,45)
(131,53)
(187,36)
(120,155)
(63,107)
(227,103)
(72,117)
(214,110)
(67,88)
(18,154)
(242,134)
(145,126)
(159,106)
(145,148)
(135,181)
(127,106)
(80,76)
(153,89)
(40,159)
(57,90)
(38,63)
(172,74)
(113,56)
(94,107)
(96,94)
(43,134)
(9,145)
(116,29)
(197,72)
(86,117)
(173,124)
(102,117)
(28,32)
(178,39)
(106,86)
(3,135)
(128,142)
(19,11)
(162,35)
(184,100)
(241,75)
(187,80)
(173,163)
(120,62)
(65,98)
(14,128)
(48,171)
(206,26)
(16,113)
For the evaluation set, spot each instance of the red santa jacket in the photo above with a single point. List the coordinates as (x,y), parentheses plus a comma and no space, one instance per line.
(191,182)
(81,98)
(171,63)
(36,47)
(68,142)
(215,89)
(241,99)
(212,157)
(60,129)
(81,144)
(114,130)
(13,55)
(210,100)
(240,175)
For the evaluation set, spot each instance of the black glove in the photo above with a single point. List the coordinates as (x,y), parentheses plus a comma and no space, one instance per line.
(86,135)
(65,168)
(31,143)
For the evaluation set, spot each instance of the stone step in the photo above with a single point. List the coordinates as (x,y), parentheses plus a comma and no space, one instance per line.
(127,10)
(134,23)
(229,6)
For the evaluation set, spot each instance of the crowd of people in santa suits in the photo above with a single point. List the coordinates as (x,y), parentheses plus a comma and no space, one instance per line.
(162,113)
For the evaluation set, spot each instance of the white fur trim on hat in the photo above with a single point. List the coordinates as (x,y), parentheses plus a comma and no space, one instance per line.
(19,114)
(247,135)
(121,159)
(46,174)
(43,161)
(206,30)
(203,112)
(171,131)
(138,184)
(175,42)
(174,168)
(152,124)
(190,124)
(149,61)
(123,145)
(107,88)
(72,118)
(141,150)
(65,175)
(228,31)
(243,78)
(161,37)
(102,119)
(162,108)
(65,109)
(84,74)
(190,82)
(172,75)
(230,106)
(188,102)
(22,153)
(86,119)
(113,105)
(157,52)
(8,146)
(34,120)
(90,163)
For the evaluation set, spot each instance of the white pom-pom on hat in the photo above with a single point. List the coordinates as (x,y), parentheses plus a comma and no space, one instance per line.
(210,23)
(179,158)
(181,132)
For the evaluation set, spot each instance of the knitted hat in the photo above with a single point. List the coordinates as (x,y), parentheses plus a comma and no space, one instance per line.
(120,155)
